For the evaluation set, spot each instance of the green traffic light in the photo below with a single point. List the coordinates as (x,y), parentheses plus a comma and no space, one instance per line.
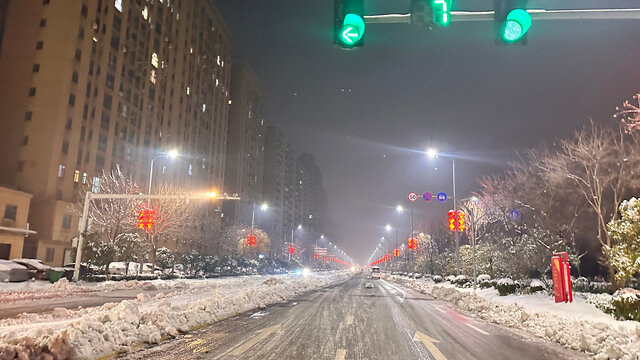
(517,24)
(352,29)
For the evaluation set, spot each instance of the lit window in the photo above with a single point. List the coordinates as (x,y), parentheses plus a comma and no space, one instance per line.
(76,176)
(217,82)
(188,91)
(95,187)
(218,60)
(145,13)
(229,101)
(190,171)
(152,77)
(177,16)
(190,50)
(164,170)
(61,169)
(118,5)
(84,178)
(204,107)
(154,60)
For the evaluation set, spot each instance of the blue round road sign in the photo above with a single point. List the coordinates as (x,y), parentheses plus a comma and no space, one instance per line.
(514,214)
(442,197)
(427,196)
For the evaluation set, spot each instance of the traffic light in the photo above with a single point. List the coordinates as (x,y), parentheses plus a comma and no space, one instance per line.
(512,21)
(146,219)
(452,220)
(292,250)
(348,25)
(251,240)
(460,226)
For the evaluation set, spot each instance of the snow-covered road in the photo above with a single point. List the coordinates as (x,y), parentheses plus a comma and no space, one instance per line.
(176,306)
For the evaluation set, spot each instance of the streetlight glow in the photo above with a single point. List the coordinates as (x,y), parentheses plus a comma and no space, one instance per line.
(264,207)
(300,227)
(400,209)
(388,227)
(172,153)
(211,194)
(432,153)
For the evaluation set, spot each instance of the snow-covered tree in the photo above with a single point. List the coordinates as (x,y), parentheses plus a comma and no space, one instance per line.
(624,252)
(130,247)
(629,114)
(96,251)
(110,216)
(165,258)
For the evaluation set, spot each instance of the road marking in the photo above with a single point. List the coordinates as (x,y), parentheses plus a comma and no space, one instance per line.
(437,308)
(404,294)
(429,343)
(349,320)
(256,339)
(476,329)
(340,354)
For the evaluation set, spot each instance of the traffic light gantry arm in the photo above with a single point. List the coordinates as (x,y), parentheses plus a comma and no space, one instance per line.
(536,14)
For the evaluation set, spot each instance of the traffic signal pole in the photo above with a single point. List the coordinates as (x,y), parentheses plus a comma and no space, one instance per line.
(536,14)
(90,196)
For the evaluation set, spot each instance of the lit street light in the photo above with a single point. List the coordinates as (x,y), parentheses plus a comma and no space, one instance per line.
(433,153)
(172,154)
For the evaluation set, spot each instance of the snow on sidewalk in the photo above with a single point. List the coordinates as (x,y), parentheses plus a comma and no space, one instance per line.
(115,327)
(578,326)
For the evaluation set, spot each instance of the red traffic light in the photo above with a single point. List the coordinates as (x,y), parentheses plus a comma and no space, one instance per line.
(456,220)
(146,219)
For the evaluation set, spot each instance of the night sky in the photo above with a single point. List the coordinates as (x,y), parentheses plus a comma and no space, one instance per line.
(368,114)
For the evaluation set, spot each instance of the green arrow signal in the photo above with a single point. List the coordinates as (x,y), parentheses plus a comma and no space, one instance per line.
(347,35)
(352,29)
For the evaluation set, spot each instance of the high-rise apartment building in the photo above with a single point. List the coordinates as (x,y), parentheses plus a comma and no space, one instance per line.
(245,149)
(90,85)
(279,188)
(313,198)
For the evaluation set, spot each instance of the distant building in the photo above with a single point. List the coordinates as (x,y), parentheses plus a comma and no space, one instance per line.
(279,188)
(14,208)
(245,145)
(313,198)
(88,85)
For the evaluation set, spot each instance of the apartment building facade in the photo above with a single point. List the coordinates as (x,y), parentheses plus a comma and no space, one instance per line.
(88,86)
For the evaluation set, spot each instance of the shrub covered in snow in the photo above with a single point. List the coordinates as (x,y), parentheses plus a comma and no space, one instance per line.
(601,301)
(487,284)
(626,304)
(461,280)
(483,278)
(450,278)
(536,286)
(505,286)
(580,284)
(437,278)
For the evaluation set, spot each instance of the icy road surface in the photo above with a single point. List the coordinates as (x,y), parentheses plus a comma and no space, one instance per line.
(349,321)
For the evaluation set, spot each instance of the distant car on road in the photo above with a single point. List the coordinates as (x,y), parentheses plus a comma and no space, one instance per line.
(375,273)
(10,271)
(368,285)
(37,269)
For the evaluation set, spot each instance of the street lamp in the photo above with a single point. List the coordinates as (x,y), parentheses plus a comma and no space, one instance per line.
(433,153)
(172,154)
(263,207)
(399,209)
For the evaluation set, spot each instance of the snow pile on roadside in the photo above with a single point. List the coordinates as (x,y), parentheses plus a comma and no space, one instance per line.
(115,327)
(61,288)
(604,340)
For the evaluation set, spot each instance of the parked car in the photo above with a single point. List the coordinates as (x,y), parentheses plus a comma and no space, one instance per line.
(10,271)
(37,269)
(84,270)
